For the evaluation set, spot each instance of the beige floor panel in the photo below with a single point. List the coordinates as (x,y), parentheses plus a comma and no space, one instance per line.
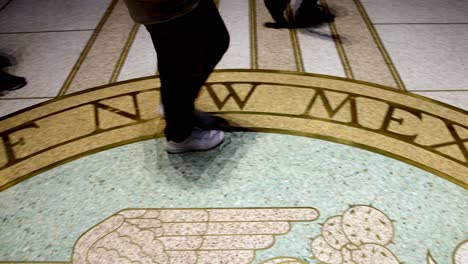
(417,11)
(235,16)
(274,47)
(141,59)
(428,57)
(104,56)
(50,15)
(360,46)
(319,52)
(45,71)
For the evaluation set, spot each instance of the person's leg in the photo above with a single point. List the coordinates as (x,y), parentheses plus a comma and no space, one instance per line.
(215,41)
(215,37)
(177,47)
(184,64)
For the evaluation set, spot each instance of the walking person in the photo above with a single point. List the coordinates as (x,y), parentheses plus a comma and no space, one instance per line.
(309,13)
(9,82)
(190,38)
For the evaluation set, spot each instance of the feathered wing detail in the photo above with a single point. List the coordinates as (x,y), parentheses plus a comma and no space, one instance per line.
(186,235)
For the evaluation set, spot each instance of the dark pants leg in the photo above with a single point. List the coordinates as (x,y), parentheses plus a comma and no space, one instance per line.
(188,49)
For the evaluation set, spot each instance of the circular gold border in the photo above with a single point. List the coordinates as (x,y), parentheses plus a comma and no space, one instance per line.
(246,70)
(257,129)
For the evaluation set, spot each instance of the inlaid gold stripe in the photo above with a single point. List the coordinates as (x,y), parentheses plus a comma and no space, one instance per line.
(381,46)
(296,45)
(297,51)
(275,47)
(101,61)
(339,46)
(87,48)
(362,52)
(123,56)
(253,35)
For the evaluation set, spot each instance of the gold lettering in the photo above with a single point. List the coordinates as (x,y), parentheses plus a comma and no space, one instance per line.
(222,93)
(111,113)
(457,141)
(321,106)
(401,123)
(9,145)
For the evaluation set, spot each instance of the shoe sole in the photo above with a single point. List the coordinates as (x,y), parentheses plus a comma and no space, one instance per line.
(183,150)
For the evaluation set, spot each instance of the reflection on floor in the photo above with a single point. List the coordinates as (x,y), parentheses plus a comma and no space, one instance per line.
(345,167)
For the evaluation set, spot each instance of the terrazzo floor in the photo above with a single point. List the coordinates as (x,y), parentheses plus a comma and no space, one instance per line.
(347,142)
(44,216)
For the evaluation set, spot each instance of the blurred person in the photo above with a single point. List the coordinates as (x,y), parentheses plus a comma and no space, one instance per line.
(190,38)
(309,13)
(9,82)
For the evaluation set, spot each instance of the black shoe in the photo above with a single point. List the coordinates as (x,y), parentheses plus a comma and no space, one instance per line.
(279,25)
(312,14)
(10,82)
(5,61)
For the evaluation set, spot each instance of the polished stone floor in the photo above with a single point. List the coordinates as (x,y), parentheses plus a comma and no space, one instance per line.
(347,142)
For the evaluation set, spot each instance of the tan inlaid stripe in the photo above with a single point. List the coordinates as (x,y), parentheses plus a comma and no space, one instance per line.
(123,56)
(275,48)
(381,46)
(104,55)
(253,35)
(297,51)
(86,50)
(339,46)
(359,46)
(296,45)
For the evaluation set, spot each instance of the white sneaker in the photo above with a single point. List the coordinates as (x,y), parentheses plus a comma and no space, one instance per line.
(199,140)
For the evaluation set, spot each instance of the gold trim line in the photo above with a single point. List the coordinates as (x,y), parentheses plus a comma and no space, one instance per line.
(339,46)
(125,51)
(86,50)
(253,36)
(297,51)
(380,45)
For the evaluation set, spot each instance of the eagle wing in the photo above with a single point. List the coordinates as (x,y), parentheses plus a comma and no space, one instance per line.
(186,235)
